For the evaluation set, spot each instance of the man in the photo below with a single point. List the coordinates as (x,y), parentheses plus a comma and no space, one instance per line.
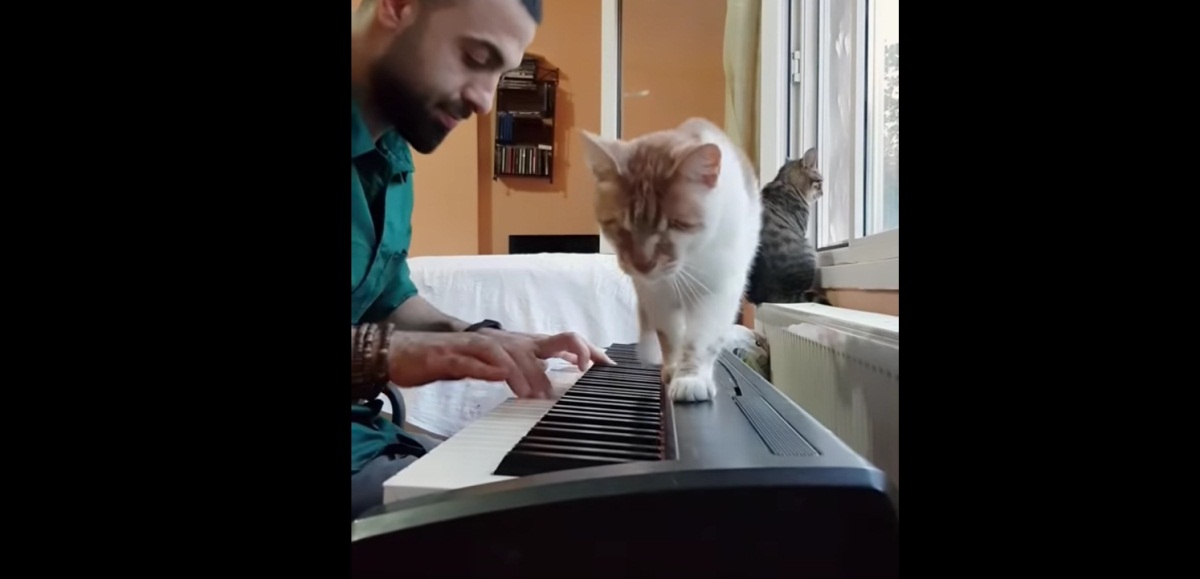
(418,68)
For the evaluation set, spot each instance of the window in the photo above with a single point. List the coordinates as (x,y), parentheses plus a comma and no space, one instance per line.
(844,98)
(883,116)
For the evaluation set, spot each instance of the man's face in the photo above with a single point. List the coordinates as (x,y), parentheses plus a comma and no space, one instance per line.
(444,63)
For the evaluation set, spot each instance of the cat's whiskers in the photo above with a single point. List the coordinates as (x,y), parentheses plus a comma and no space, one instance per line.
(678,293)
(693,297)
(693,293)
(691,276)
(686,299)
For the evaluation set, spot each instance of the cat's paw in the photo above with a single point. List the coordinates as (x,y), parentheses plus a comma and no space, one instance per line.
(649,352)
(691,389)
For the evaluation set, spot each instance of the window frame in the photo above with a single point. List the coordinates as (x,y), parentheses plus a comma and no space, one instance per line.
(868,262)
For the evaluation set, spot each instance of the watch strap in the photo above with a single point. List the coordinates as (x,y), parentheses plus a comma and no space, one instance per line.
(490,324)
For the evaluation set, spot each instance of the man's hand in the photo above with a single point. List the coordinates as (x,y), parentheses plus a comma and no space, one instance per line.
(568,345)
(418,358)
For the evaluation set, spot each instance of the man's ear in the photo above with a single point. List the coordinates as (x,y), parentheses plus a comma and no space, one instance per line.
(602,156)
(395,14)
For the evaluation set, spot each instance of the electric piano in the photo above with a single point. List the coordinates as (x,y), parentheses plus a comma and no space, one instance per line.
(613,479)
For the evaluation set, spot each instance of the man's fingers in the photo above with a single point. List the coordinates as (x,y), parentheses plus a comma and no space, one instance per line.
(598,356)
(566,342)
(569,357)
(490,351)
(535,374)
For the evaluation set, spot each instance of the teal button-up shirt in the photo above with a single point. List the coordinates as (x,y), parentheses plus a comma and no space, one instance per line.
(381,205)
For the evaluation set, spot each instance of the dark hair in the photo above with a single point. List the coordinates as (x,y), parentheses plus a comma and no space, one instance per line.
(535,9)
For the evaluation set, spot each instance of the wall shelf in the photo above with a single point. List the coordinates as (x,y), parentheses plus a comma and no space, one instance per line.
(525,105)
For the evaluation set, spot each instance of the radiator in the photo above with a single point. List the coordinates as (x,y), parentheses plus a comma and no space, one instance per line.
(843,367)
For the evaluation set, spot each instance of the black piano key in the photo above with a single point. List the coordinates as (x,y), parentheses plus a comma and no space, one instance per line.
(582,414)
(636,381)
(599,402)
(576,418)
(616,386)
(626,360)
(617,348)
(616,400)
(617,391)
(582,450)
(629,371)
(597,399)
(623,355)
(551,422)
(626,371)
(581,445)
(616,395)
(622,384)
(609,387)
(630,377)
(569,408)
(607,410)
(529,463)
(595,433)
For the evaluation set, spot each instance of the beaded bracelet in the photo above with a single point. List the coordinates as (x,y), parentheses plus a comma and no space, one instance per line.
(369,360)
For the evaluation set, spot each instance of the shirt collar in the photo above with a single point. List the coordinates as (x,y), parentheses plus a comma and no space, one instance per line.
(391,145)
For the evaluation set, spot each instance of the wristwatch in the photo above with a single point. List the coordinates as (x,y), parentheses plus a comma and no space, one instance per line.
(492,324)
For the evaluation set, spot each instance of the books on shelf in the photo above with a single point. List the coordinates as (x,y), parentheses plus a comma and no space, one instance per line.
(524,160)
(524,121)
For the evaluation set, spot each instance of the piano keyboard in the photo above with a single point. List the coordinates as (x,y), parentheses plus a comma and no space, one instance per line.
(609,415)
(612,414)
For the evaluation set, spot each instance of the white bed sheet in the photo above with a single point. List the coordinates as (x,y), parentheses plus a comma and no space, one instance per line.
(544,293)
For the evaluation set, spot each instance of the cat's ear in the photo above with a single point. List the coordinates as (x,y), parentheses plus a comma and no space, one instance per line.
(810,159)
(601,155)
(702,164)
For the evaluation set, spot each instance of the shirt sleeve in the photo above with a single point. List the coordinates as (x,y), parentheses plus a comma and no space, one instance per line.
(399,289)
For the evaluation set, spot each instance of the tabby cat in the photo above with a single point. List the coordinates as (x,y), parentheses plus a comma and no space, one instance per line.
(681,208)
(785,269)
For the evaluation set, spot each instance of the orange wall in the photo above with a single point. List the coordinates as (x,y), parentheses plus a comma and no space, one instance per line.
(568,39)
(679,66)
(445,216)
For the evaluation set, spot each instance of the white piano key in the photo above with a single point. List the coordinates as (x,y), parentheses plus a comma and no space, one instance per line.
(469,457)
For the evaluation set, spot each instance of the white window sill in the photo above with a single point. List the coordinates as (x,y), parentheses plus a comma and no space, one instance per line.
(869,263)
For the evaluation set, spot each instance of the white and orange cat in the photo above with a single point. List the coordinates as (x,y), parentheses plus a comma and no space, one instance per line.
(682,209)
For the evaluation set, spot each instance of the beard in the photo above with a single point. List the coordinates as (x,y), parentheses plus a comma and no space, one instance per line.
(404,106)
